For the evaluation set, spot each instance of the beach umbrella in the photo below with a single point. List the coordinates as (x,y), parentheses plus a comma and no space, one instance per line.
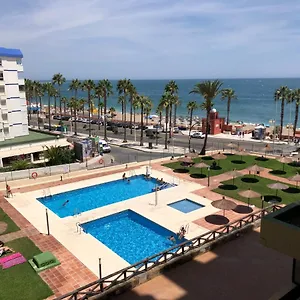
(186,160)
(219,156)
(224,204)
(234,174)
(295,178)
(249,194)
(267,148)
(277,186)
(285,160)
(191,155)
(241,152)
(231,146)
(255,169)
(201,165)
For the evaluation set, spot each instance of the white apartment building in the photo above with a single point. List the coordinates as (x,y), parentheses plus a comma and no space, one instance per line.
(13,106)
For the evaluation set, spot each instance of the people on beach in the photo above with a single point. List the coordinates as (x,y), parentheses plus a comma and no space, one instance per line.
(124,176)
(181,232)
(128,180)
(8,191)
(65,203)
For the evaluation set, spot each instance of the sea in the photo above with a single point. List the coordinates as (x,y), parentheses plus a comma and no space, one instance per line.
(254,104)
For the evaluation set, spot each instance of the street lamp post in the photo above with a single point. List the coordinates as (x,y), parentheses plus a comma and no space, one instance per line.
(208,179)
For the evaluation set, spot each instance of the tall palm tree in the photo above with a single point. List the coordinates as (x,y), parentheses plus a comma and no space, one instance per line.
(176,104)
(89,85)
(172,89)
(143,102)
(75,85)
(228,94)
(55,95)
(147,109)
(40,94)
(165,102)
(296,98)
(75,105)
(59,79)
(135,106)
(98,94)
(64,101)
(82,105)
(132,94)
(112,111)
(191,106)
(159,111)
(29,96)
(123,88)
(49,90)
(35,93)
(107,91)
(281,95)
(208,90)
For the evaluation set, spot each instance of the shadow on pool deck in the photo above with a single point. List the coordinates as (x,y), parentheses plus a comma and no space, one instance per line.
(240,269)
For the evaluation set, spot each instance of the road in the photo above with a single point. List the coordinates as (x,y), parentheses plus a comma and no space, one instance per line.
(182,140)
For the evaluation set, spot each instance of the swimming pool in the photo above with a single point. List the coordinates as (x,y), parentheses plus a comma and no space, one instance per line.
(100,195)
(186,205)
(130,235)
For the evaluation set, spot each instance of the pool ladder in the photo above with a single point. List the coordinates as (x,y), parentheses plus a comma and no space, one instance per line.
(186,228)
(78,227)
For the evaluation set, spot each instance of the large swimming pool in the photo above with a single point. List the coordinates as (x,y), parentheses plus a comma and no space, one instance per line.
(130,235)
(100,195)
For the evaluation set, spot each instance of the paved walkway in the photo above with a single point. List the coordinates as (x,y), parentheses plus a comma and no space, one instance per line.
(242,269)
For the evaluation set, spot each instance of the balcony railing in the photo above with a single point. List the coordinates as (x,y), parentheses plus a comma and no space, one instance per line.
(100,286)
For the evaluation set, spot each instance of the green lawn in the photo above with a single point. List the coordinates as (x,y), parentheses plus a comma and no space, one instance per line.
(21,282)
(227,188)
(11,225)
(237,162)
(32,137)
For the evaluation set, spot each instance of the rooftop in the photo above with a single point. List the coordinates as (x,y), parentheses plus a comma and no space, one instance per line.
(6,52)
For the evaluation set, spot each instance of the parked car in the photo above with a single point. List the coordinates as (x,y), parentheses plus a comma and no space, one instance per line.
(106,148)
(198,135)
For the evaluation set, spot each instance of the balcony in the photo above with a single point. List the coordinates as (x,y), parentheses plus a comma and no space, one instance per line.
(21,81)
(280,230)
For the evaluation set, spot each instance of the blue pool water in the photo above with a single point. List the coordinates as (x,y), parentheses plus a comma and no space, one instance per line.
(130,235)
(185,205)
(100,195)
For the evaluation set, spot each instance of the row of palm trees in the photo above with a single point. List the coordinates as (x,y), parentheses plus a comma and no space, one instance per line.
(127,92)
(284,95)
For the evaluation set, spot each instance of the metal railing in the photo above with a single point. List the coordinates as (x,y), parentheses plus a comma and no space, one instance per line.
(106,283)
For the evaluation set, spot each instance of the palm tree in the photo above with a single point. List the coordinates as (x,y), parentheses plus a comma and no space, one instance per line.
(135,106)
(59,79)
(75,85)
(49,90)
(64,101)
(112,111)
(98,94)
(75,105)
(228,94)
(123,88)
(147,109)
(208,90)
(176,104)
(172,89)
(191,106)
(107,91)
(159,111)
(35,93)
(82,105)
(29,96)
(281,94)
(296,98)
(143,102)
(40,94)
(132,93)
(55,95)
(165,102)
(89,86)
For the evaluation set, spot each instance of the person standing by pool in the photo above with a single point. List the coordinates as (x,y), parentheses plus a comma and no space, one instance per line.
(124,176)
(65,203)
(8,191)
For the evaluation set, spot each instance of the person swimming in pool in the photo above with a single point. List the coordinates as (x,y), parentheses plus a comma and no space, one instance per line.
(128,180)
(65,203)
(172,238)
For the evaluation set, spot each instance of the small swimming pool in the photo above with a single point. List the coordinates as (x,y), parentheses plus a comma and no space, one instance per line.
(100,195)
(185,205)
(130,235)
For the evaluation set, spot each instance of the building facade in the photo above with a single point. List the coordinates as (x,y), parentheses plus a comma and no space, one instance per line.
(13,107)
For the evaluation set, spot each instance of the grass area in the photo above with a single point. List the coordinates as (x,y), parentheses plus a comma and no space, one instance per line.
(235,162)
(22,282)
(32,137)
(229,189)
(11,226)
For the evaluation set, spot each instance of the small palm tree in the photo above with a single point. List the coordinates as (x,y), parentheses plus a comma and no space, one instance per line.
(281,95)
(296,98)
(147,109)
(191,106)
(165,102)
(172,89)
(107,91)
(143,102)
(29,96)
(208,90)
(59,79)
(82,105)
(64,101)
(89,86)
(50,91)
(228,94)
(132,94)
(75,105)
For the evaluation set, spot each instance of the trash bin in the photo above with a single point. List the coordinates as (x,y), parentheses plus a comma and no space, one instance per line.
(150,145)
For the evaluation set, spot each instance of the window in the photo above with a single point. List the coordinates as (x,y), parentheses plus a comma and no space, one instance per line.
(19,61)
(4,117)
(1,76)
(6,130)
(21,88)
(2,89)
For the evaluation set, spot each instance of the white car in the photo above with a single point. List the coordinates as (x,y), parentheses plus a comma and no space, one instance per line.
(105,147)
(198,135)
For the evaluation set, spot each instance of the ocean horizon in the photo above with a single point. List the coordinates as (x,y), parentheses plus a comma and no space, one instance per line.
(254,104)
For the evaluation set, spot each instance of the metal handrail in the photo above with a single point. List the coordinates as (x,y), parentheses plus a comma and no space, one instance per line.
(99,286)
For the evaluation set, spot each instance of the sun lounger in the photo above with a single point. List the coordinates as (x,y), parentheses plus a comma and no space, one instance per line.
(14,262)
(9,257)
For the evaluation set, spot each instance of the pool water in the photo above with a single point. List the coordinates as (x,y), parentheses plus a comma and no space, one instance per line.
(130,235)
(186,205)
(100,195)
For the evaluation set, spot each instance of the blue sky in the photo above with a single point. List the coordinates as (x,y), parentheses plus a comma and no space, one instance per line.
(146,39)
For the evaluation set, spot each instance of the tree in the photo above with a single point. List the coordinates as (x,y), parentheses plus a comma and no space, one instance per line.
(159,111)
(36,90)
(20,165)
(82,103)
(143,102)
(75,105)
(29,96)
(147,109)
(165,102)
(123,88)
(75,85)
(40,94)
(208,90)
(296,98)
(132,94)
(98,95)
(64,101)
(59,79)
(281,95)
(172,89)
(107,91)
(228,94)
(191,106)
(58,155)
(112,111)
(49,90)
(89,86)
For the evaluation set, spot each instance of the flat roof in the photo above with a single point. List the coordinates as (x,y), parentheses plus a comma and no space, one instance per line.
(8,52)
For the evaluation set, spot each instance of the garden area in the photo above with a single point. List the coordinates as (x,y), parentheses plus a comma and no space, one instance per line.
(7,225)
(233,162)
(21,281)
